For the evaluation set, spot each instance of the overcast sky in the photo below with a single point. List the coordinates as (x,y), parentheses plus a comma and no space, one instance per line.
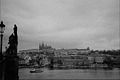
(63,23)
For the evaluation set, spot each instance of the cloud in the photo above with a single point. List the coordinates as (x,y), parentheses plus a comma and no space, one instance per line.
(64,23)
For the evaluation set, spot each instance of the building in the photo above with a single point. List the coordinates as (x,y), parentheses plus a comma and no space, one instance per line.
(44,46)
(96,58)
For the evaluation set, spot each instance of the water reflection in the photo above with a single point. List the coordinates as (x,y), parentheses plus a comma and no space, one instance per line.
(71,74)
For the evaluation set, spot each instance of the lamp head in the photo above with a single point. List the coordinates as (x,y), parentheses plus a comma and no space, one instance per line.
(2,27)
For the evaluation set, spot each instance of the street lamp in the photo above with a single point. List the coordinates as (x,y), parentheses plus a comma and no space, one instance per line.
(2,28)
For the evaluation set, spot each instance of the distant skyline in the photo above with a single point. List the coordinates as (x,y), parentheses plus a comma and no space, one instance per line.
(63,23)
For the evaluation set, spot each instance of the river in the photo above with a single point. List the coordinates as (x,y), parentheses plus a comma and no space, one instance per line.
(70,74)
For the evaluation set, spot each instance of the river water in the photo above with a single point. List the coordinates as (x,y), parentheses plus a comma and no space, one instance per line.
(70,74)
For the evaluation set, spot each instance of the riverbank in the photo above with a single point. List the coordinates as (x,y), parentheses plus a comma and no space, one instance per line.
(92,66)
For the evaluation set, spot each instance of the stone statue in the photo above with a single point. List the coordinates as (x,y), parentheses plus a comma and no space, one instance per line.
(13,43)
(11,59)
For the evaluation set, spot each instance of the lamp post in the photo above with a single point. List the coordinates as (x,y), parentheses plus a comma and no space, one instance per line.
(2,28)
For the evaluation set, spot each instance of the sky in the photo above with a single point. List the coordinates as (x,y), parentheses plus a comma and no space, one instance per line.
(63,23)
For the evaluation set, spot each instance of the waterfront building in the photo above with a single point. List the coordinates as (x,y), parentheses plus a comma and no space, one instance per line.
(21,62)
(96,58)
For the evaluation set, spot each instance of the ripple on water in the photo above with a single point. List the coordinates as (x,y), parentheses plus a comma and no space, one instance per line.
(70,74)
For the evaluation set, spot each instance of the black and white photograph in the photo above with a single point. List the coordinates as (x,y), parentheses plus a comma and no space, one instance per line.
(59,39)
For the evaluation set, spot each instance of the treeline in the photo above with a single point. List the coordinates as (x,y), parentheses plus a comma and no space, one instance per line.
(109,52)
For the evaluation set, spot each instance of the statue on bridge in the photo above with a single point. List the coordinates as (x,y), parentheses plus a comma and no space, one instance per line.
(11,59)
(13,43)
